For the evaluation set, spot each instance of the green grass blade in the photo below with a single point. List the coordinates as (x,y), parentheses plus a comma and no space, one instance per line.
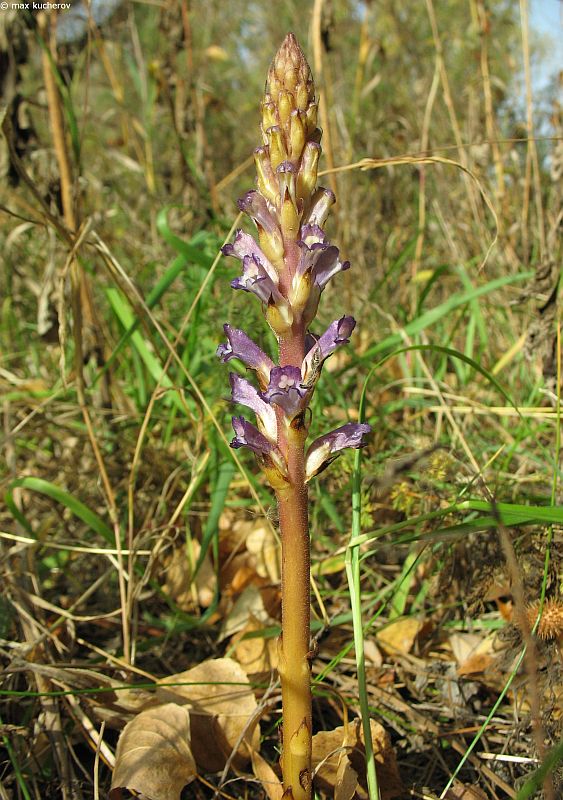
(124,313)
(20,780)
(432,316)
(536,780)
(352,561)
(515,514)
(66,499)
(225,475)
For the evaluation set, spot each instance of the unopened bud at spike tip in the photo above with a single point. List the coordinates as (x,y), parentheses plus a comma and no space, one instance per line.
(285,106)
(289,69)
(267,183)
(296,133)
(290,90)
(276,142)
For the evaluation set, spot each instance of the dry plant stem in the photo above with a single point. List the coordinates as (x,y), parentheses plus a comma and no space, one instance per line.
(531,656)
(492,133)
(532,164)
(422,174)
(83,307)
(448,100)
(110,497)
(91,326)
(321,83)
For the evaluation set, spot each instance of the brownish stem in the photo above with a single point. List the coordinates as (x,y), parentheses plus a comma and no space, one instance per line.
(91,328)
(294,666)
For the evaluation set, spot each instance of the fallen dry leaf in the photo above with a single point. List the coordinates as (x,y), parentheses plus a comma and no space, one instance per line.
(459,791)
(221,706)
(267,777)
(264,546)
(248,605)
(179,584)
(473,653)
(399,636)
(464,645)
(346,780)
(328,755)
(256,654)
(153,754)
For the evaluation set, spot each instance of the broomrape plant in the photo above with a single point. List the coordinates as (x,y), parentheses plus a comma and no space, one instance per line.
(287,268)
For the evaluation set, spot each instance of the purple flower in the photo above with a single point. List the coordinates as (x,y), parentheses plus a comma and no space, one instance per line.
(318,263)
(322,200)
(244,393)
(241,346)
(323,449)
(257,207)
(337,333)
(243,247)
(318,258)
(286,390)
(248,435)
(326,265)
(286,175)
(312,236)
(255,279)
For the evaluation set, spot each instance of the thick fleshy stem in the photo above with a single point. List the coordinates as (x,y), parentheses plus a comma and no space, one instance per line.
(294,646)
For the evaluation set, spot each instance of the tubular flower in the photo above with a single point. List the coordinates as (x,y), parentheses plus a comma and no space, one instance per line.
(241,346)
(326,448)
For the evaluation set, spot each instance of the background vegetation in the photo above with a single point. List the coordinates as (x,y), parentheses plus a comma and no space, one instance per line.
(135,544)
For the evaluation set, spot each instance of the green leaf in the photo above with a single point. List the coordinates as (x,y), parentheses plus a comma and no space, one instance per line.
(125,315)
(514,514)
(64,498)
(537,778)
(432,316)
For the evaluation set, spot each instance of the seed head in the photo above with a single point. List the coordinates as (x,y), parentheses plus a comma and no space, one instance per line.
(551,622)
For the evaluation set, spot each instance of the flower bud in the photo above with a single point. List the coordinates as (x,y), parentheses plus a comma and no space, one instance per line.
(300,291)
(271,243)
(268,115)
(296,135)
(274,86)
(267,182)
(286,180)
(280,318)
(290,70)
(307,176)
(291,78)
(321,203)
(276,144)
(285,106)
(302,97)
(289,218)
(311,115)
(290,89)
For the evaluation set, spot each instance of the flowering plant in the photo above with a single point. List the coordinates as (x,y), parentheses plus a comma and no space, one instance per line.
(287,269)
